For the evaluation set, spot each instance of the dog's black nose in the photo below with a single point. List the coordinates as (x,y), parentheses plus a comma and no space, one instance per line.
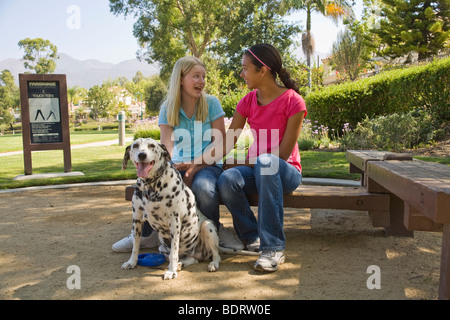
(142,156)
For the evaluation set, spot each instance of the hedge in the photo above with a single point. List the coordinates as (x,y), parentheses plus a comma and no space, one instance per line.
(390,92)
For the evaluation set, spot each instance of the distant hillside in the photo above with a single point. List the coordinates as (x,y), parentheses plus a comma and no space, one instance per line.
(87,73)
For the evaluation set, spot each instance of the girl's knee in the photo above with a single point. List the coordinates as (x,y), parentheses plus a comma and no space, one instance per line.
(224,180)
(228,179)
(266,159)
(267,164)
(201,185)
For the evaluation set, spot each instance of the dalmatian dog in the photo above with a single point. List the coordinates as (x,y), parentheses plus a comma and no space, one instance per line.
(162,199)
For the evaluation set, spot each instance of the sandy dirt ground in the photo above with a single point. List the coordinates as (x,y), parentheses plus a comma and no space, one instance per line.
(45,232)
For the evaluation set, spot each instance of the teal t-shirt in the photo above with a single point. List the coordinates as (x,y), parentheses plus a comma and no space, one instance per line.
(191,137)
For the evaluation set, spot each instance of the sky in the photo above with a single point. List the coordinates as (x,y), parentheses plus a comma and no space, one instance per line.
(86,29)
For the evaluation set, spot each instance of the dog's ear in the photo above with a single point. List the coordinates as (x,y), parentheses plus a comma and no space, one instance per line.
(165,153)
(126,157)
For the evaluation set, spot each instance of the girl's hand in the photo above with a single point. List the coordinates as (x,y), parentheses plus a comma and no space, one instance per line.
(191,169)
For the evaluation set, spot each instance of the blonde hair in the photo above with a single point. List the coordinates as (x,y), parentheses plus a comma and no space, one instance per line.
(173,100)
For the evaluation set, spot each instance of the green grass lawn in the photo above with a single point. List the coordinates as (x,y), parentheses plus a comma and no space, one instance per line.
(14,142)
(104,163)
(98,164)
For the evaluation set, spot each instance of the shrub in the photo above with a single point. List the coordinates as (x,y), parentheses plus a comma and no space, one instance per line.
(97,126)
(313,136)
(147,128)
(230,100)
(401,90)
(307,144)
(154,94)
(393,132)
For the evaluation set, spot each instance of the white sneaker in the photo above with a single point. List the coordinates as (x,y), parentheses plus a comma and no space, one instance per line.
(254,246)
(126,244)
(229,240)
(269,261)
(164,250)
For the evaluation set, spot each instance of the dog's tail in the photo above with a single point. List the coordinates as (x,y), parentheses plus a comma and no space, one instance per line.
(238,252)
(202,218)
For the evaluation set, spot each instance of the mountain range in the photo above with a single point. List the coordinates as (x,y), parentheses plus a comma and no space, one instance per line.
(87,73)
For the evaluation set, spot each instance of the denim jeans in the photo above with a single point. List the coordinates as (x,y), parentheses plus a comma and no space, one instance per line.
(270,178)
(204,187)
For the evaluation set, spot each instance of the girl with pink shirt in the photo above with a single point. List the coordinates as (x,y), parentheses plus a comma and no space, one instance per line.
(275,114)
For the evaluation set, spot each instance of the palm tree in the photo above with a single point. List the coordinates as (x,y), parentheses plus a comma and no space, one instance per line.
(334,9)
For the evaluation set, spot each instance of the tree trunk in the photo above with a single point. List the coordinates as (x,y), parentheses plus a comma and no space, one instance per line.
(308,43)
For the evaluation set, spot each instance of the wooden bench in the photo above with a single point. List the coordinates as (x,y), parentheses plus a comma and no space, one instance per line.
(324,197)
(419,198)
(359,160)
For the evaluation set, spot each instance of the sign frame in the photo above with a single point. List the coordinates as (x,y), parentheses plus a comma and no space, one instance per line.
(48,100)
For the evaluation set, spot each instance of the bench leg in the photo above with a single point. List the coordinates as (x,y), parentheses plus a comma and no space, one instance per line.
(355,169)
(444,282)
(396,211)
(416,221)
(397,227)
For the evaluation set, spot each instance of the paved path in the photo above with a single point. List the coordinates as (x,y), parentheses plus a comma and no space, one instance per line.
(306,181)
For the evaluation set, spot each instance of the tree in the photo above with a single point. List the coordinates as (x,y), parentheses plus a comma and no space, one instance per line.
(9,97)
(333,9)
(75,94)
(40,55)
(138,77)
(420,26)
(100,100)
(299,72)
(263,24)
(169,29)
(154,94)
(348,53)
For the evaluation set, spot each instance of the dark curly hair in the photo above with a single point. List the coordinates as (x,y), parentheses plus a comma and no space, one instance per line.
(272,59)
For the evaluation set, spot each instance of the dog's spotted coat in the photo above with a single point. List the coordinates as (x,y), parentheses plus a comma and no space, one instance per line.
(162,199)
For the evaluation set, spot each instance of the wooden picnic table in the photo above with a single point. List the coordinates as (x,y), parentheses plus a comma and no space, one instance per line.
(419,197)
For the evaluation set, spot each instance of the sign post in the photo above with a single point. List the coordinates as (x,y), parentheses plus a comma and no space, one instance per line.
(121,120)
(45,116)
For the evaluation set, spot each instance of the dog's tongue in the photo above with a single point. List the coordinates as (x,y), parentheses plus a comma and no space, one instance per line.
(143,169)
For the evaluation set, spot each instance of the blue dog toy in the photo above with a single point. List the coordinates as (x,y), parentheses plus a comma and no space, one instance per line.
(151,259)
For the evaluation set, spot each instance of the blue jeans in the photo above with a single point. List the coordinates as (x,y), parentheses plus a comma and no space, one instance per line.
(204,187)
(270,184)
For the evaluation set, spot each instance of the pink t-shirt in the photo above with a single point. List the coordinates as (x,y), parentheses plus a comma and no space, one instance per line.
(268,123)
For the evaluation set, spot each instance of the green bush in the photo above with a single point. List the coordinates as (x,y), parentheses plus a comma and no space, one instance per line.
(147,128)
(307,144)
(313,136)
(393,132)
(98,126)
(230,100)
(400,90)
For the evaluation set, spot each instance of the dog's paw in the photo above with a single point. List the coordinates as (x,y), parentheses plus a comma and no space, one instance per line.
(213,266)
(129,265)
(168,275)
